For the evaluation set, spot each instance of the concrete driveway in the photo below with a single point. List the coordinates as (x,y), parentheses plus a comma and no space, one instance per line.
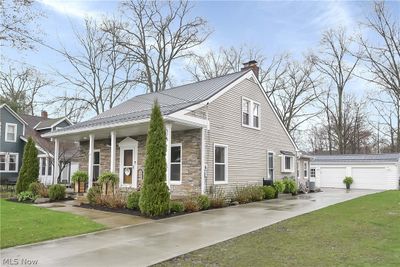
(149,243)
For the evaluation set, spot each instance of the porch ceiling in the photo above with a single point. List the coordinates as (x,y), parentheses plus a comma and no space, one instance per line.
(122,131)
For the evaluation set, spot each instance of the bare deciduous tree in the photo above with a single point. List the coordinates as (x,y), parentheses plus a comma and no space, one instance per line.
(382,58)
(20,89)
(298,90)
(337,63)
(156,34)
(103,75)
(16,16)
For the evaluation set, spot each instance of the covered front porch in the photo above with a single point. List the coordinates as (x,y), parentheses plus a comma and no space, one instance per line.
(122,150)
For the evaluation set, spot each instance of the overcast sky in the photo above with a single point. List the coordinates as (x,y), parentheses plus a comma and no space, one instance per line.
(274,27)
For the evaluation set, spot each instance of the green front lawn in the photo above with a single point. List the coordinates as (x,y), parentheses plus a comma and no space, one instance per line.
(23,224)
(361,232)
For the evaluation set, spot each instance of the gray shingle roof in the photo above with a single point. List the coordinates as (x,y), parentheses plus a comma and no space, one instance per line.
(170,101)
(394,157)
(47,123)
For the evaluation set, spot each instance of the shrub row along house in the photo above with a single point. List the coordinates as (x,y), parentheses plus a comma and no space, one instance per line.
(221,133)
(14,131)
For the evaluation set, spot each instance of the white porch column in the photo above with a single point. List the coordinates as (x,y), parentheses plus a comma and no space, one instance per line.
(113,150)
(203,150)
(91,160)
(168,128)
(56,160)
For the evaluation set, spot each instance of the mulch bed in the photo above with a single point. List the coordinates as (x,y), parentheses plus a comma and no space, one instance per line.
(129,211)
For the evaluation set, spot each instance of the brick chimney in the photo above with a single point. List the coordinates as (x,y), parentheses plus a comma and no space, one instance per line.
(44,114)
(252,64)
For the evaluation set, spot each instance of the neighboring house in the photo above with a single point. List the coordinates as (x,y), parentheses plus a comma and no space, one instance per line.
(14,132)
(371,171)
(221,132)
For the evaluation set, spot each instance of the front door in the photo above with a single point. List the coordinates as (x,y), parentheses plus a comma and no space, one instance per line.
(128,166)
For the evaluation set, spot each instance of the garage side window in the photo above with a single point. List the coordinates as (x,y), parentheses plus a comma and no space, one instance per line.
(312,172)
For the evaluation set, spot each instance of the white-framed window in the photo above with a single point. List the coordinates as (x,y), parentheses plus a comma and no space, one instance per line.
(245,112)
(305,169)
(250,113)
(43,166)
(270,165)
(96,164)
(220,164)
(176,164)
(11,132)
(287,163)
(312,172)
(50,167)
(256,117)
(9,162)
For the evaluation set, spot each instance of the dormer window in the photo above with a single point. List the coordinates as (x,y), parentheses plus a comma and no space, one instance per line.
(250,113)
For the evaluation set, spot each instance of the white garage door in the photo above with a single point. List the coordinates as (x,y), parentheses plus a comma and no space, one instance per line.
(332,177)
(365,177)
(374,178)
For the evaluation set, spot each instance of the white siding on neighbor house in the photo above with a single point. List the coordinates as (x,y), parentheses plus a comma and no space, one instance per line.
(365,176)
(247,158)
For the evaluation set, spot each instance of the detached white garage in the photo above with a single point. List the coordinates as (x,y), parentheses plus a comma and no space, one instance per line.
(372,171)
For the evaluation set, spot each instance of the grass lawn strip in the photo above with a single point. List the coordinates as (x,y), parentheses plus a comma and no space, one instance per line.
(360,232)
(23,224)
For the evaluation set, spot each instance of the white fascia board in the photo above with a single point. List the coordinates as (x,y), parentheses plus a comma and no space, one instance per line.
(54,124)
(190,120)
(94,128)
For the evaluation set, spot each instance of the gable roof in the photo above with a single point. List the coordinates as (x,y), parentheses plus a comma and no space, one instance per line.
(370,158)
(170,101)
(174,100)
(14,113)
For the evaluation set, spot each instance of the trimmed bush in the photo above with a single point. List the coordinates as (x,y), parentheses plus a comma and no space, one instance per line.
(217,199)
(115,201)
(25,196)
(155,197)
(279,186)
(133,200)
(176,206)
(38,189)
(29,171)
(269,192)
(290,185)
(107,179)
(256,193)
(191,204)
(203,201)
(248,194)
(56,192)
(93,194)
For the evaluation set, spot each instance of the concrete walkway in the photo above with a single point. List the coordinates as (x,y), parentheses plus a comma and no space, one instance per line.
(153,242)
(109,219)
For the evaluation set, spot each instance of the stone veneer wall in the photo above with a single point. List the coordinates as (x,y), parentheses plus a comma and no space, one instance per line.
(191,159)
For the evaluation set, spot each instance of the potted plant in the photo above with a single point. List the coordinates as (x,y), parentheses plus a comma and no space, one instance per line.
(348,181)
(107,179)
(79,178)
